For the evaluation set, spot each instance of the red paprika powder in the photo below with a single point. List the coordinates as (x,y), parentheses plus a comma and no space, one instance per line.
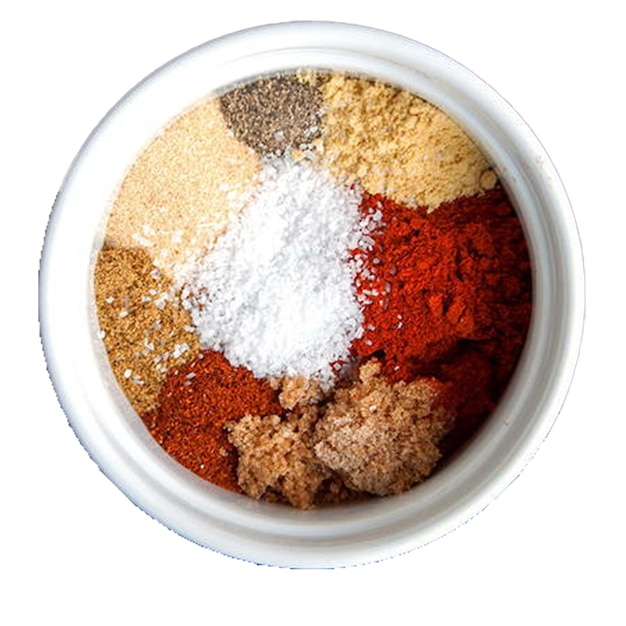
(194,404)
(450,298)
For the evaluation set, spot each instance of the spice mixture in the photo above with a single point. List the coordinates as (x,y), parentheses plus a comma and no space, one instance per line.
(313,288)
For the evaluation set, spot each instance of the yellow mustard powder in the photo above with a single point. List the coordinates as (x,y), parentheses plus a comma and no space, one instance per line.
(396,144)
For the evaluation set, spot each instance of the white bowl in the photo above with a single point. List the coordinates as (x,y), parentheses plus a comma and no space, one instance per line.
(114,435)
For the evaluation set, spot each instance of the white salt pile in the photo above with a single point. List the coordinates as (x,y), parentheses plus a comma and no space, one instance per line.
(276,292)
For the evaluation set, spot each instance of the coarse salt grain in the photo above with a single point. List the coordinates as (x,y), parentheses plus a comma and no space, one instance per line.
(179,349)
(276,292)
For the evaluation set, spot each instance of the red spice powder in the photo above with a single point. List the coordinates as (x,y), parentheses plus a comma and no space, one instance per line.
(193,406)
(451,298)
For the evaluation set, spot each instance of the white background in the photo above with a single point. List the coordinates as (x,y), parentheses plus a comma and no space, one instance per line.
(551,549)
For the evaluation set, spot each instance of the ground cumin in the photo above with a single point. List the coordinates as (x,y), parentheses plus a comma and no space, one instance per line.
(145,330)
(398,145)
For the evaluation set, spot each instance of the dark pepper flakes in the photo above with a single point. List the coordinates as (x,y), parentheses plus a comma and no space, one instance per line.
(273,115)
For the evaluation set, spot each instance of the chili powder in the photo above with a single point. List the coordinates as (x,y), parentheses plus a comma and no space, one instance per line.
(194,404)
(450,298)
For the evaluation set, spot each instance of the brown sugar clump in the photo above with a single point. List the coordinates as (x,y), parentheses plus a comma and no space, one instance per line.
(368,437)
(276,458)
(382,438)
(297,390)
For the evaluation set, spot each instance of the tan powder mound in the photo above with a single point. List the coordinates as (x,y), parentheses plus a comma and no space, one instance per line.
(398,145)
(369,437)
(144,329)
(179,193)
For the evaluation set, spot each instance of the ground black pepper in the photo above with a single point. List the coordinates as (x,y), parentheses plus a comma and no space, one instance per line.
(274,115)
